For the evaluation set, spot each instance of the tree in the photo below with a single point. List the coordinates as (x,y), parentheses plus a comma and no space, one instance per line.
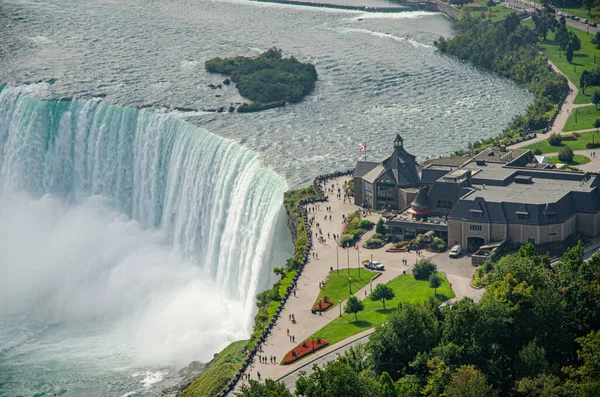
(396,343)
(569,52)
(586,377)
(566,155)
(468,381)
(379,228)
(584,80)
(353,306)
(588,4)
(562,36)
(511,22)
(435,282)
(596,40)
(268,389)
(596,99)
(597,124)
(334,379)
(532,360)
(574,41)
(555,139)
(423,269)
(387,388)
(537,151)
(382,292)
(408,386)
(279,271)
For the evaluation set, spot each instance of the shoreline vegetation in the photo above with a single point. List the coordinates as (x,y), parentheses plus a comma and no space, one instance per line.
(268,80)
(510,50)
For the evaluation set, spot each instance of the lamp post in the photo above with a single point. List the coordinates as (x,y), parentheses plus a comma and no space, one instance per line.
(313,343)
(371,287)
(337,258)
(350,284)
(358,261)
(340,308)
(348,255)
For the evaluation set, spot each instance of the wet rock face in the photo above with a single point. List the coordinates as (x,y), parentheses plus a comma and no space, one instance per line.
(188,374)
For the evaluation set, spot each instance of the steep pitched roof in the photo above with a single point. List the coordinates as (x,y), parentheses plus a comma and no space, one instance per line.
(364,167)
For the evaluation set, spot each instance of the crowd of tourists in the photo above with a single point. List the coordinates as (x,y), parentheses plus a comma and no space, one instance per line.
(318,184)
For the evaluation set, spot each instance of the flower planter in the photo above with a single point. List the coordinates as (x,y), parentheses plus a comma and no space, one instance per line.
(303,349)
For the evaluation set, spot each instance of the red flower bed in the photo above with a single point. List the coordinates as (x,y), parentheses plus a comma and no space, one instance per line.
(300,351)
(324,305)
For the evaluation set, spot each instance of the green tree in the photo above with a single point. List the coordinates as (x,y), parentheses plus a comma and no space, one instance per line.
(394,344)
(468,381)
(382,292)
(569,52)
(596,40)
(334,379)
(268,389)
(379,228)
(409,386)
(279,271)
(584,80)
(532,360)
(588,4)
(387,388)
(555,139)
(511,22)
(597,124)
(566,155)
(423,269)
(574,41)
(586,377)
(435,282)
(439,377)
(596,99)
(562,37)
(353,306)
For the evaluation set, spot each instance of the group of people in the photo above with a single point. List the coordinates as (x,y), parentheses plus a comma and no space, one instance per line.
(263,359)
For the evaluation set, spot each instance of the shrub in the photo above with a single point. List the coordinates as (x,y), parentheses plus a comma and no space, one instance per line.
(365,224)
(423,269)
(555,139)
(374,242)
(538,151)
(438,244)
(378,236)
(487,266)
(566,155)
(347,239)
(593,145)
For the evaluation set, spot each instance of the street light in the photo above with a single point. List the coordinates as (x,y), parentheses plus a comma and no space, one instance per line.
(350,284)
(337,258)
(358,261)
(340,308)
(313,343)
(348,255)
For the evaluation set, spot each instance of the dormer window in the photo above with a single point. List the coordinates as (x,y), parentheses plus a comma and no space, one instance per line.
(550,217)
(522,217)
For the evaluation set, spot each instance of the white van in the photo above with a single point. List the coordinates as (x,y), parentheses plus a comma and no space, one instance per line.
(455,251)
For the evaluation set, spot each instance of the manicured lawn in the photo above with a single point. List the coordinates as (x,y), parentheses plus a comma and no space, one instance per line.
(499,12)
(582,60)
(582,118)
(578,159)
(407,289)
(337,288)
(579,144)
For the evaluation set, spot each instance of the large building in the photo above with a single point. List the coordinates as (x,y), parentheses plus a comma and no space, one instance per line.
(497,195)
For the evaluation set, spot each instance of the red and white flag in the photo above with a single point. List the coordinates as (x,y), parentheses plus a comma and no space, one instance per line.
(363,148)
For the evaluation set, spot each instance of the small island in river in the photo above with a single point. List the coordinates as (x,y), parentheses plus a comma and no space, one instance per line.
(268,80)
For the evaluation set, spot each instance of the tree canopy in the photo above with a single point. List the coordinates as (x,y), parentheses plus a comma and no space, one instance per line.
(267,78)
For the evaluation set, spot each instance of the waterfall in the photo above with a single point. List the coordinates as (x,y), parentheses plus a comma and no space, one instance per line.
(134,218)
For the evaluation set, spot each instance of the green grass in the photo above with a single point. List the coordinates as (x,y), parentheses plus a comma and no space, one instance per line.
(480,8)
(582,60)
(283,285)
(221,370)
(579,144)
(578,159)
(406,288)
(582,118)
(338,288)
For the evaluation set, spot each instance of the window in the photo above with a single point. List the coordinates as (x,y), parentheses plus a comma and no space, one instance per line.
(385,192)
(531,240)
(522,217)
(475,228)
(476,214)
(550,217)
(444,204)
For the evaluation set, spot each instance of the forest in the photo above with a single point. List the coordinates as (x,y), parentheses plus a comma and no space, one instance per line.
(534,333)
(268,78)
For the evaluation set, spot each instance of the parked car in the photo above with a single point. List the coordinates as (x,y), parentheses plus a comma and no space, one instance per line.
(594,24)
(585,21)
(455,251)
(377,266)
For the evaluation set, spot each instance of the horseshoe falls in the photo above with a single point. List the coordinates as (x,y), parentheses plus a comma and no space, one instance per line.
(130,241)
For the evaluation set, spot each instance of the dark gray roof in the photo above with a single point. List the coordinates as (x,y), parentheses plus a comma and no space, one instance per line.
(404,167)
(455,161)
(431,174)
(446,191)
(421,200)
(363,167)
(587,202)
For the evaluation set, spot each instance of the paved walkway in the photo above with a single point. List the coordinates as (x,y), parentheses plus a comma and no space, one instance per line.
(278,343)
